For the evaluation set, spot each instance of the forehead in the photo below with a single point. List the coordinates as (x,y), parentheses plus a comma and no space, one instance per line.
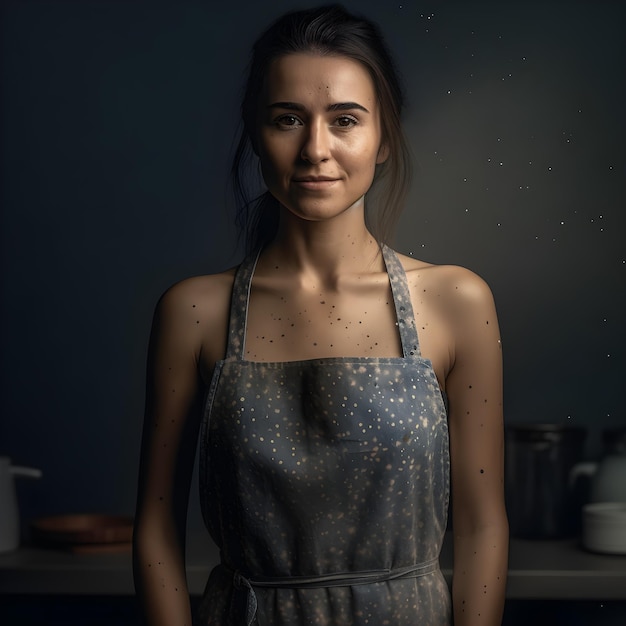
(296,77)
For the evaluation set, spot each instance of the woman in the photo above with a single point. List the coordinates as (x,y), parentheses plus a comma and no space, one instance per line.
(326,448)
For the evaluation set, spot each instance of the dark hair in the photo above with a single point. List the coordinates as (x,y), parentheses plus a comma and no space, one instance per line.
(327,30)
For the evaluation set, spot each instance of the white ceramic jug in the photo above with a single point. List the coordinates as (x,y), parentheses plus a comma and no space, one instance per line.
(608,477)
(9,512)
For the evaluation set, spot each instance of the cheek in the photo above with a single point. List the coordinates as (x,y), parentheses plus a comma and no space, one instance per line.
(273,154)
(275,169)
(267,161)
(362,161)
(361,150)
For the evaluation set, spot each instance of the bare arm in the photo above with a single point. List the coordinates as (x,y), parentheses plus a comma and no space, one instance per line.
(173,398)
(480,526)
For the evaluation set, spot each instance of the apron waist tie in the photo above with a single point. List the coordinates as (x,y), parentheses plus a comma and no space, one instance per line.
(244,602)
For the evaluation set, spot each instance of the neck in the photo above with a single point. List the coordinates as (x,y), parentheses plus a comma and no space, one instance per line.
(321,251)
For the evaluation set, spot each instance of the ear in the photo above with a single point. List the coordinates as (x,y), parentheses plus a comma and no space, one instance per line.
(383,153)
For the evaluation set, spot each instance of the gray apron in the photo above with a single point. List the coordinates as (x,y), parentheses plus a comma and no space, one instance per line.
(325,483)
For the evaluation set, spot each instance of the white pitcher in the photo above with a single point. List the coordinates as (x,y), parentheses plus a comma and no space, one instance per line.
(9,512)
(608,477)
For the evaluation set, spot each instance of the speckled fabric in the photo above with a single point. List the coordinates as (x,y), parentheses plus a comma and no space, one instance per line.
(325,483)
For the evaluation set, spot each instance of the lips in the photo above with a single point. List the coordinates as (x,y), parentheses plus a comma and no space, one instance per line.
(315,183)
(314,179)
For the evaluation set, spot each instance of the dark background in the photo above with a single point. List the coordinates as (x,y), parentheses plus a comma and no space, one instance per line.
(117,127)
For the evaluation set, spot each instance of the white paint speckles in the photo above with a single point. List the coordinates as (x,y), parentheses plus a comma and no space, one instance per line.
(335,474)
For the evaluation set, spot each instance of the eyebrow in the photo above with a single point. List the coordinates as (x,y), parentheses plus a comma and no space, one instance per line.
(339,106)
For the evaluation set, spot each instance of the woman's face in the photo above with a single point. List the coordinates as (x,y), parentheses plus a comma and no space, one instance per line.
(319,136)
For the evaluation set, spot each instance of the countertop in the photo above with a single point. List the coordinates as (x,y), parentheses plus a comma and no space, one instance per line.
(556,570)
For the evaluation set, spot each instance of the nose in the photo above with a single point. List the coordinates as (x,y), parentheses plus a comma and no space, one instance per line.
(316,147)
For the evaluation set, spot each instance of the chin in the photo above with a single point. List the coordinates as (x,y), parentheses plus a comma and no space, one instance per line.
(321,211)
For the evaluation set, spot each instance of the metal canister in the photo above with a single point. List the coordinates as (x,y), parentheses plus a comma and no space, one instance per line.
(539,459)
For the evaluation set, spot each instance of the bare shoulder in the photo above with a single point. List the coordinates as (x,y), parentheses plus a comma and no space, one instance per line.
(192,316)
(199,295)
(456,287)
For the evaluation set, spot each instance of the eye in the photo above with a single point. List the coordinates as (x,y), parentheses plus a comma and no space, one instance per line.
(287,121)
(346,121)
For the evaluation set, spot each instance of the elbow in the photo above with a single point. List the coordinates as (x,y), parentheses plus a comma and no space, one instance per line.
(492,521)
